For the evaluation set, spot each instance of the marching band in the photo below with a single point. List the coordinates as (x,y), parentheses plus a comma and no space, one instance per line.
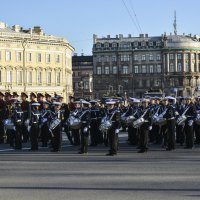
(43,119)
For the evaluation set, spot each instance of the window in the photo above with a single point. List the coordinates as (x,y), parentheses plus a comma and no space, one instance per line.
(58,80)
(39,57)
(135,44)
(19,56)
(125,70)
(171,56)
(106,70)
(179,67)
(57,58)
(171,67)
(48,78)
(39,77)
(192,56)
(148,83)
(151,68)
(187,68)
(48,58)
(29,57)
(114,59)
(143,57)
(124,57)
(140,83)
(158,43)
(8,56)
(136,70)
(106,45)
(114,45)
(9,76)
(29,77)
(179,56)
(159,70)
(98,45)
(86,85)
(135,57)
(158,57)
(99,59)
(150,44)
(144,69)
(172,82)
(143,44)
(19,77)
(106,58)
(115,70)
(186,56)
(98,70)
(150,57)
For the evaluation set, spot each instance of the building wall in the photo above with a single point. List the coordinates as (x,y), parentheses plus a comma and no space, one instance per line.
(133,65)
(51,59)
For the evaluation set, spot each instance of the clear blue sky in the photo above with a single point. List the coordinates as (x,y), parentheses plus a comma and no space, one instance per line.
(78,20)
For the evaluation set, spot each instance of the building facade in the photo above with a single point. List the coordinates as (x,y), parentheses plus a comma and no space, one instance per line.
(132,65)
(82,76)
(31,61)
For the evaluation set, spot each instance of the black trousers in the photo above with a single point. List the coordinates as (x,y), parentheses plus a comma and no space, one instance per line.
(57,138)
(68,133)
(34,136)
(197,133)
(84,140)
(133,138)
(25,133)
(45,135)
(113,141)
(2,132)
(76,136)
(144,132)
(189,135)
(18,137)
(180,137)
(171,124)
(94,133)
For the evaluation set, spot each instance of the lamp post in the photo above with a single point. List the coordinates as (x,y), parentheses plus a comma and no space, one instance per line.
(24,44)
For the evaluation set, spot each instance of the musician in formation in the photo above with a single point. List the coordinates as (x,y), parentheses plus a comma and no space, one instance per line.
(42,120)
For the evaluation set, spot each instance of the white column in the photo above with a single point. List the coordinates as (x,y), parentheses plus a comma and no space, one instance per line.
(167,62)
(175,60)
(196,62)
(183,61)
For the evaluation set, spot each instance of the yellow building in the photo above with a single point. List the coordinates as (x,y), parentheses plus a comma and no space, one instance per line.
(31,61)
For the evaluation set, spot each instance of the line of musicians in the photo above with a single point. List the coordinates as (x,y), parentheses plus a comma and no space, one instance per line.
(43,118)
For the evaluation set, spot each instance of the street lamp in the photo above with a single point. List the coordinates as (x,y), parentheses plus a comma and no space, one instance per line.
(24,44)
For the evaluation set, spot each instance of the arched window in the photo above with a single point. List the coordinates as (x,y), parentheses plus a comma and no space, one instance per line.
(171,67)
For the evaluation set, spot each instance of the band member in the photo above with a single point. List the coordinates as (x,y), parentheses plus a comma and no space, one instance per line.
(94,125)
(171,123)
(133,111)
(40,100)
(114,116)
(145,112)
(35,126)
(45,115)
(197,126)
(26,108)
(2,117)
(15,95)
(191,115)
(180,107)
(56,127)
(84,116)
(32,98)
(18,119)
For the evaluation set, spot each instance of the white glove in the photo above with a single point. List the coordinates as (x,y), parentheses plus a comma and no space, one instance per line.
(85,129)
(126,129)
(116,131)
(176,113)
(150,128)
(190,122)
(29,128)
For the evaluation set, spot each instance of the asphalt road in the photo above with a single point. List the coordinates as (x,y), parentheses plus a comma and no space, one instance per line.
(154,175)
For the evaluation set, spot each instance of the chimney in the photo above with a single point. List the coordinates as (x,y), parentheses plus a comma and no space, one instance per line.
(146,36)
(120,36)
(38,30)
(129,35)
(116,36)
(94,38)
(141,35)
(108,36)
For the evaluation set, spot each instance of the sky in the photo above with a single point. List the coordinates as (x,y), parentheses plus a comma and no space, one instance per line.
(78,20)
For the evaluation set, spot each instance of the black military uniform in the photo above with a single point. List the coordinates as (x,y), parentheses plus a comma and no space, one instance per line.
(197,126)
(145,111)
(26,108)
(84,116)
(171,124)
(35,121)
(94,125)
(56,131)
(18,119)
(2,117)
(114,116)
(191,115)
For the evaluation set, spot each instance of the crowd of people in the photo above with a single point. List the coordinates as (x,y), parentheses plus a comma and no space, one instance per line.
(42,119)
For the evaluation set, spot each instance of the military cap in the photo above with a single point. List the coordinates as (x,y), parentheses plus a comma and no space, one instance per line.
(47,95)
(8,94)
(1,94)
(33,94)
(24,94)
(93,102)
(144,100)
(57,103)
(40,95)
(15,94)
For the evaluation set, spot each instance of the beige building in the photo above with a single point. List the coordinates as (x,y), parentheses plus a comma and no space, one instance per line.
(32,61)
